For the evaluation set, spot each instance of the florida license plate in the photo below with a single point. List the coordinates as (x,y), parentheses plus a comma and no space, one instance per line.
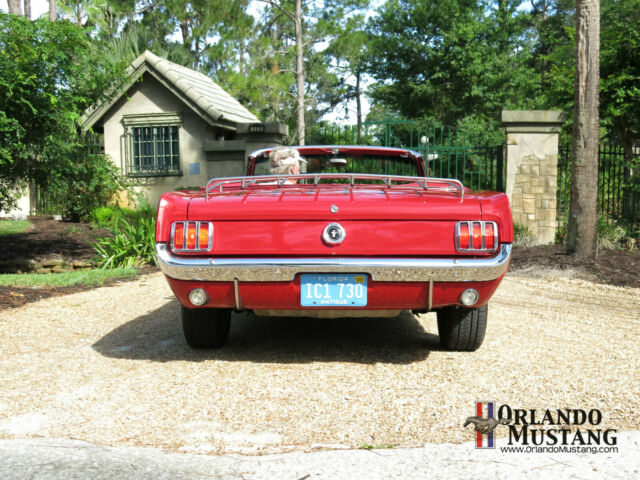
(333,290)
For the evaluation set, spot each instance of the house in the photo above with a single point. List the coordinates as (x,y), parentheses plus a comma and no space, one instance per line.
(171,126)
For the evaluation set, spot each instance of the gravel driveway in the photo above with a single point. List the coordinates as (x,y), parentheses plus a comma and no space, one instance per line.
(109,366)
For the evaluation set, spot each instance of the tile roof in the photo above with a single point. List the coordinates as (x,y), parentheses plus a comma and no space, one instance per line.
(203,94)
(203,91)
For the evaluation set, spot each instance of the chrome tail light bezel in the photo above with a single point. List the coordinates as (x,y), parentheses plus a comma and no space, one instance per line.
(483,226)
(198,247)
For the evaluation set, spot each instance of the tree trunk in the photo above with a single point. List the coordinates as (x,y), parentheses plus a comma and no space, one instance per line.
(582,238)
(358,106)
(196,53)
(186,37)
(53,10)
(15,7)
(299,71)
(27,9)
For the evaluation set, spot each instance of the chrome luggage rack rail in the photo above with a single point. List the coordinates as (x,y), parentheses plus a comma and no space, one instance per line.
(453,185)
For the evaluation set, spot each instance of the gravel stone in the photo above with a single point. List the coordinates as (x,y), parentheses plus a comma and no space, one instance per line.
(109,366)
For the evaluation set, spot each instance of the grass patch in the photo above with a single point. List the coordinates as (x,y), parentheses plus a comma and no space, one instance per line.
(65,279)
(9,227)
(368,446)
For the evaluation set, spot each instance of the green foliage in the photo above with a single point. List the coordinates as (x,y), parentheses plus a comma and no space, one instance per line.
(369,446)
(103,216)
(132,43)
(132,244)
(65,279)
(522,237)
(614,235)
(561,230)
(85,184)
(619,64)
(49,75)
(108,217)
(10,227)
(453,59)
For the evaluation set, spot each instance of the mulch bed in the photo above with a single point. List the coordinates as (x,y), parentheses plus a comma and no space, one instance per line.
(612,267)
(73,240)
(47,237)
(52,237)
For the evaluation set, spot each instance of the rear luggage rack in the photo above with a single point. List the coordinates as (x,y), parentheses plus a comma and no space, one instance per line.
(297,179)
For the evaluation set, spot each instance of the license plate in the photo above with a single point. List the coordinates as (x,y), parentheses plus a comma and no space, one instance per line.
(333,290)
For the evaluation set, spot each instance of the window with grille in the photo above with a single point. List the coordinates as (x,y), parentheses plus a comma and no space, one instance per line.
(155,150)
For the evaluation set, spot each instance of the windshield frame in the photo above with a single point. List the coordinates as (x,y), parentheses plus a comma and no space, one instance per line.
(317,150)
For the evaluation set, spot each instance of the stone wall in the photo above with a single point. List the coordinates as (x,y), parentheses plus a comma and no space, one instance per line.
(532,170)
(51,264)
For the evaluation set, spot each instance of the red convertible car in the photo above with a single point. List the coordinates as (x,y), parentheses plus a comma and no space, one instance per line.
(360,231)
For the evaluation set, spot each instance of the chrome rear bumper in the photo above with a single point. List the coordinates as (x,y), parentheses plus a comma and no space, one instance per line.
(380,269)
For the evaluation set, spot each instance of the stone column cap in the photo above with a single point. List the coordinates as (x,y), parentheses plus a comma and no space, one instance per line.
(533,121)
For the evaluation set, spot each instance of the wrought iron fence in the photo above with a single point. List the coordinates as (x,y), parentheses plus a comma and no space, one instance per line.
(448,153)
(618,185)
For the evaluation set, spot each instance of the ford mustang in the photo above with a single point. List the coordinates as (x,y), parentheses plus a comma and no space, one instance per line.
(359,231)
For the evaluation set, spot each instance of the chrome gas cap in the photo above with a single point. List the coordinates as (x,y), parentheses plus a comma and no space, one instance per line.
(334,234)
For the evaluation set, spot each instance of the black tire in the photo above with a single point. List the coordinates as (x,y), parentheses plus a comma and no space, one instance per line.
(206,327)
(462,329)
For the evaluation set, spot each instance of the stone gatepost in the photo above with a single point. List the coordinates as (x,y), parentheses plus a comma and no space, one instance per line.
(531,153)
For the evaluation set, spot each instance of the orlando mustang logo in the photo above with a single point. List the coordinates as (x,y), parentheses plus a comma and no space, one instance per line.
(484,426)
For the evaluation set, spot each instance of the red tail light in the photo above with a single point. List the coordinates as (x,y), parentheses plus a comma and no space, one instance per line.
(203,235)
(463,236)
(191,236)
(476,236)
(490,236)
(177,236)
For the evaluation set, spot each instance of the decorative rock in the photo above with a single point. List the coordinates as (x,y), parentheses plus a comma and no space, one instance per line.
(59,269)
(52,262)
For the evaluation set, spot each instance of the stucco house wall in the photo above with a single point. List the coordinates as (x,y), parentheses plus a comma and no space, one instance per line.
(149,97)
(215,132)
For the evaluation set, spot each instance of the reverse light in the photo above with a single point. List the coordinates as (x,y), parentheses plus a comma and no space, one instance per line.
(198,296)
(478,236)
(191,236)
(469,297)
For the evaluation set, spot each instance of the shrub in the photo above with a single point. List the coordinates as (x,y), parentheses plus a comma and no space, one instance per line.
(561,231)
(107,217)
(522,237)
(87,182)
(103,216)
(612,235)
(132,244)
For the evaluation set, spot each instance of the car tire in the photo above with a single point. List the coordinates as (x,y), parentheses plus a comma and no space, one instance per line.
(206,327)
(462,329)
